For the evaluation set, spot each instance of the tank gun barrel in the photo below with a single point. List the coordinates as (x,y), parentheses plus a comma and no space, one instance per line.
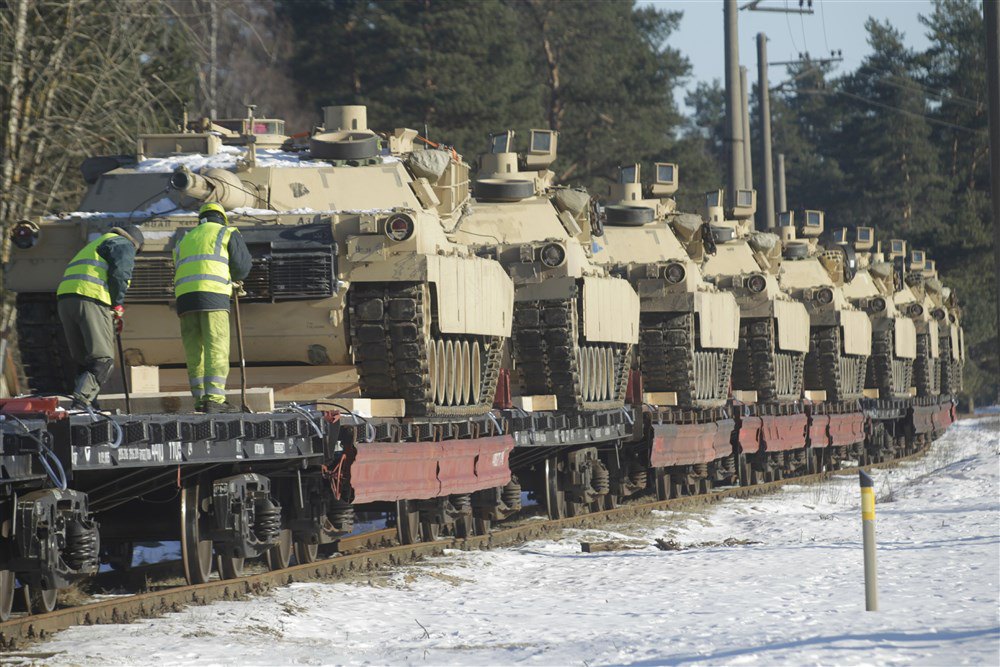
(218,185)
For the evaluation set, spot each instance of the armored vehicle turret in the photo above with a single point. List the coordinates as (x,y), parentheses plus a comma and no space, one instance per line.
(353,266)
(689,329)
(894,336)
(575,325)
(774,328)
(840,334)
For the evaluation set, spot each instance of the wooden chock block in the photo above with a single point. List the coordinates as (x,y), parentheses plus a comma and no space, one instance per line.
(371,407)
(745,395)
(144,379)
(815,395)
(539,403)
(660,397)
(871,393)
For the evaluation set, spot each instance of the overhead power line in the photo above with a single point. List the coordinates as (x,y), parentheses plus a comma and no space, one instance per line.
(860,98)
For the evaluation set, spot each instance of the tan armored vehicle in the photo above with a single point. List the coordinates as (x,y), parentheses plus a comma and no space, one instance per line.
(575,324)
(911,298)
(353,263)
(688,329)
(840,334)
(951,337)
(894,336)
(952,373)
(774,328)
(941,303)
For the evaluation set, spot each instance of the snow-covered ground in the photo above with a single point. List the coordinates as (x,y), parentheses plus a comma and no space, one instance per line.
(789,592)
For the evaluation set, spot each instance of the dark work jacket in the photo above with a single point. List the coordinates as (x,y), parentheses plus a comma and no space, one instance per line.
(240,264)
(119,253)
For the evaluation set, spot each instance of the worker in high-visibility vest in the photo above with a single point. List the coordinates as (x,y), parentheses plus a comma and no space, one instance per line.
(91,306)
(207,261)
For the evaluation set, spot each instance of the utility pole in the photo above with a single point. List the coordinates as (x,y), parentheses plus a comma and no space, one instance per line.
(782,202)
(734,123)
(747,160)
(745,107)
(991,17)
(764,97)
(213,59)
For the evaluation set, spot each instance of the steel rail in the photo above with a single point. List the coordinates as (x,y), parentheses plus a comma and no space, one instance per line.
(31,628)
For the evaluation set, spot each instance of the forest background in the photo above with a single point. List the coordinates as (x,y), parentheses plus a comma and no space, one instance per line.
(900,144)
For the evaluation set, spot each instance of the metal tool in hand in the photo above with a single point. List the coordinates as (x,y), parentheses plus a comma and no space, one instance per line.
(238,291)
(121,365)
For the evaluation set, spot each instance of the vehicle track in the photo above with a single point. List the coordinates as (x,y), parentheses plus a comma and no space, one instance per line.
(371,554)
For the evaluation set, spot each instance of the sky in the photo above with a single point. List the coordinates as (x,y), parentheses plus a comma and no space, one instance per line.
(700,37)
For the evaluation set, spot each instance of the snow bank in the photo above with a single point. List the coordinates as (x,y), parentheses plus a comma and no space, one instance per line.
(795,596)
(228,156)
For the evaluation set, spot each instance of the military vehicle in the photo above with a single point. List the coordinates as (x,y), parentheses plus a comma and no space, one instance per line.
(688,329)
(354,266)
(840,340)
(774,328)
(911,298)
(575,325)
(894,336)
(951,335)
(944,311)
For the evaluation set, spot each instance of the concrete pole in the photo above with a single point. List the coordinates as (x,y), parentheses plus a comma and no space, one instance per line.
(213,61)
(868,530)
(734,121)
(745,108)
(764,97)
(782,201)
(991,16)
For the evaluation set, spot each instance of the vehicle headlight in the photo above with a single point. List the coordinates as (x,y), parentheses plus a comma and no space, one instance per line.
(674,273)
(876,305)
(399,227)
(552,255)
(24,235)
(756,283)
(915,310)
(824,296)
(938,314)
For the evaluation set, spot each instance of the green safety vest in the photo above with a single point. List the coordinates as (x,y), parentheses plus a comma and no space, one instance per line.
(201,260)
(87,273)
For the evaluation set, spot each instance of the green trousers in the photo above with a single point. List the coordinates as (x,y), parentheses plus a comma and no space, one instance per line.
(206,350)
(90,333)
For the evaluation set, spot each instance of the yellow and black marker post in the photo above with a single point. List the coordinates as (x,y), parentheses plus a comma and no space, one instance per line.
(868,531)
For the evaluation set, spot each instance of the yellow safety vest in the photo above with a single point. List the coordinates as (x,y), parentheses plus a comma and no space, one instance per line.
(201,261)
(87,273)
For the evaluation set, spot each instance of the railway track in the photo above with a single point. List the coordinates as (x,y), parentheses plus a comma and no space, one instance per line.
(363,553)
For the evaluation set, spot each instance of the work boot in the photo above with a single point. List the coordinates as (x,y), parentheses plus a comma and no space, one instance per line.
(216,408)
(79,404)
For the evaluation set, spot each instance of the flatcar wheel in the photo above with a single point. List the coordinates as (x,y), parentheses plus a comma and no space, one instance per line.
(6,593)
(195,551)
(278,556)
(42,600)
(306,552)
(407,523)
(230,567)
(482,526)
(555,500)
(609,501)
(662,484)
